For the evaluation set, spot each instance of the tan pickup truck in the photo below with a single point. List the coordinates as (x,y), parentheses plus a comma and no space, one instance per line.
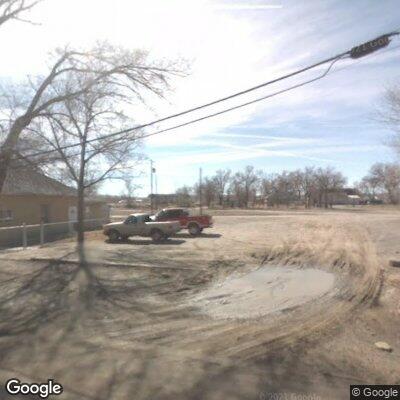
(140,225)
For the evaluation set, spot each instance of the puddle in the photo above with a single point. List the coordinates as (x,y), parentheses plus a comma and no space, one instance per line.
(265,291)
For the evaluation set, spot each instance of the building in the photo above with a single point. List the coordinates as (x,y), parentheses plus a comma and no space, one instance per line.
(346,196)
(163,200)
(31,197)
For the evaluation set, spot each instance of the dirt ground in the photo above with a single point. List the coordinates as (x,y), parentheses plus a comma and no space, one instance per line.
(144,326)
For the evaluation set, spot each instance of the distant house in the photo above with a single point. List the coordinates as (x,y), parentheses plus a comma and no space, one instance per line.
(346,196)
(30,197)
(164,199)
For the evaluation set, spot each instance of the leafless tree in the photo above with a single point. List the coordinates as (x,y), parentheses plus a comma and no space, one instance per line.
(83,119)
(369,187)
(327,180)
(183,195)
(221,180)
(267,186)
(282,188)
(130,188)
(389,113)
(245,184)
(130,74)
(14,9)
(307,184)
(209,191)
(384,179)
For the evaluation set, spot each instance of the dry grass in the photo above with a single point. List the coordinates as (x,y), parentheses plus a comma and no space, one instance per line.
(328,245)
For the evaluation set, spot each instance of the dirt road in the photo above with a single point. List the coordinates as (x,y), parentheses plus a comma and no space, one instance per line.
(208,317)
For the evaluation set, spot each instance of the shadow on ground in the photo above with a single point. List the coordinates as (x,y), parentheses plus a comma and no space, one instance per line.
(146,242)
(203,235)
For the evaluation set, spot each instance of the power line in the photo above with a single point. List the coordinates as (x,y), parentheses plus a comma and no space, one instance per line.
(236,107)
(332,61)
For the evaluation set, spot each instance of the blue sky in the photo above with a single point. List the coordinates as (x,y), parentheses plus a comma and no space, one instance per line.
(232,45)
(331,122)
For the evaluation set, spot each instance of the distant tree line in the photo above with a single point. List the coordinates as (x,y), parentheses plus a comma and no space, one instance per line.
(382,184)
(307,187)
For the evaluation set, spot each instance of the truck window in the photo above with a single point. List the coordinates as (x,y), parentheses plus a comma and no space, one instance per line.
(161,214)
(174,213)
(131,220)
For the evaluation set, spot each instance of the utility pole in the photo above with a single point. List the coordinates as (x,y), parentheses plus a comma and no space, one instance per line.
(151,185)
(155,176)
(200,189)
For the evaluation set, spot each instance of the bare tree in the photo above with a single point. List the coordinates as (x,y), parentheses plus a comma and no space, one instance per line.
(307,184)
(13,9)
(327,180)
(221,180)
(183,196)
(267,187)
(209,191)
(285,188)
(74,73)
(385,179)
(84,118)
(369,187)
(130,188)
(390,115)
(245,184)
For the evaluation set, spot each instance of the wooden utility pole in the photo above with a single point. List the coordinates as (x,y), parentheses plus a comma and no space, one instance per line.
(200,188)
(156,202)
(151,185)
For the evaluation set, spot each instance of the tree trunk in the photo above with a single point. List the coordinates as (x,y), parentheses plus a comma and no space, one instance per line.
(83,264)
(80,228)
(8,148)
(307,200)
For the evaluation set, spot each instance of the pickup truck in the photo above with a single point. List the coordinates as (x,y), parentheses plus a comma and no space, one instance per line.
(140,225)
(194,223)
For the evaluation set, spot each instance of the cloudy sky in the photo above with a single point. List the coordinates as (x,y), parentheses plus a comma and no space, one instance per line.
(232,45)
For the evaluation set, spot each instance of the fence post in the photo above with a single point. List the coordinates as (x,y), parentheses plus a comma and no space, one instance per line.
(41,233)
(24,236)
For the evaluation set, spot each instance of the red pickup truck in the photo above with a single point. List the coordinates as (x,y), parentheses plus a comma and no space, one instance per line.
(194,223)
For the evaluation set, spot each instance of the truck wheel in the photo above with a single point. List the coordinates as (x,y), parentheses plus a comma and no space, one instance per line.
(113,236)
(157,236)
(194,229)
(124,238)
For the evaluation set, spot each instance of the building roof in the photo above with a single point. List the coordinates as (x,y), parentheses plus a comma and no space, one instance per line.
(20,181)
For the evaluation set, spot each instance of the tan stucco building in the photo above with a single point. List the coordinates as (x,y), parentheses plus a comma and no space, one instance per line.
(31,197)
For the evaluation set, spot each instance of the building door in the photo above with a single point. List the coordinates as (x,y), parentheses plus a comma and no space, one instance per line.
(45,213)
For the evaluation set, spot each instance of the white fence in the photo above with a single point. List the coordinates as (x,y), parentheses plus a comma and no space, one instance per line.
(28,235)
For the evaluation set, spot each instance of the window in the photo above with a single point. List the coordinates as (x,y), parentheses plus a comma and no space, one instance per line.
(173,214)
(160,214)
(6,215)
(143,218)
(131,220)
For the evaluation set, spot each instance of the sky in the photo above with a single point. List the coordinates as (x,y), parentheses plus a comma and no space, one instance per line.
(230,46)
